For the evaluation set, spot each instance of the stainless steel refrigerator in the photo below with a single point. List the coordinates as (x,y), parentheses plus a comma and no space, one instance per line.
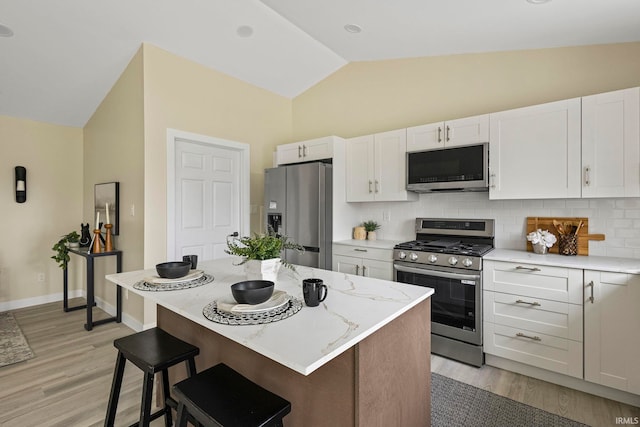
(298,204)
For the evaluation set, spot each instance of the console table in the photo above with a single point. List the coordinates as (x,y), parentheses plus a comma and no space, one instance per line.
(90,257)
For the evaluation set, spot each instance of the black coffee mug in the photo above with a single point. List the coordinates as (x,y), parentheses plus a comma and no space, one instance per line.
(314,291)
(193,259)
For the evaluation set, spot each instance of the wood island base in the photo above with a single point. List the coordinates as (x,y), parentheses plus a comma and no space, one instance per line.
(383,380)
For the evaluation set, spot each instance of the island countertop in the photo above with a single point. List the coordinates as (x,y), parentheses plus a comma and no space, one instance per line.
(355,308)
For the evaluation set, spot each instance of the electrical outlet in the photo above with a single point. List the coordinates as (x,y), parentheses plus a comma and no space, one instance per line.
(132,211)
(41,277)
(386,216)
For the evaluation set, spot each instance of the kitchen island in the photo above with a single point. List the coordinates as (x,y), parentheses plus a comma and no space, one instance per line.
(361,358)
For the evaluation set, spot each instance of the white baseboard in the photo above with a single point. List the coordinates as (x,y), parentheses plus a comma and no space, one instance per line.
(43,299)
(76,293)
(563,380)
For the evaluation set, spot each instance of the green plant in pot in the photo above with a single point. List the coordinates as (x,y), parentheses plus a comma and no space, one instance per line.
(61,248)
(371,227)
(261,254)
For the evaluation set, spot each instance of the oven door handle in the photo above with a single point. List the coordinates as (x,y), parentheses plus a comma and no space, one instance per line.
(437,273)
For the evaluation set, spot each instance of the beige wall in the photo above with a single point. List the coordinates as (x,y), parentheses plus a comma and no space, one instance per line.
(53,157)
(368,97)
(113,151)
(183,95)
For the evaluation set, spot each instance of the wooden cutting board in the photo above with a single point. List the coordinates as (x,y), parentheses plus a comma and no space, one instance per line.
(546,223)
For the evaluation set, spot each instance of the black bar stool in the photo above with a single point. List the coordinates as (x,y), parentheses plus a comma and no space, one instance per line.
(220,396)
(152,351)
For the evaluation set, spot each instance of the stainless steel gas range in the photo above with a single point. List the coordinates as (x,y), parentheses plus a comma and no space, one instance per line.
(447,256)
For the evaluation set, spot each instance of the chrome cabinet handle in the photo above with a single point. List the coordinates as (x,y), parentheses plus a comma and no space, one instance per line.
(360,250)
(304,151)
(520,267)
(535,338)
(533,304)
(439,134)
(299,151)
(377,186)
(448,134)
(591,285)
(357,269)
(587,176)
(364,270)
(370,186)
(492,180)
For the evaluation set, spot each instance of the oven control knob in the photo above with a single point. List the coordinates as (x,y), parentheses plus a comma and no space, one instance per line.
(432,258)
(467,262)
(413,256)
(453,260)
(402,255)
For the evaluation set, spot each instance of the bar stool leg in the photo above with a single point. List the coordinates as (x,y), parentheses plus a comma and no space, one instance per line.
(147,397)
(115,390)
(181,420)
(166,396)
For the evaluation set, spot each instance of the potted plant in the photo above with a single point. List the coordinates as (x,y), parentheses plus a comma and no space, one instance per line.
(371,227)
(261,254)
(62,248)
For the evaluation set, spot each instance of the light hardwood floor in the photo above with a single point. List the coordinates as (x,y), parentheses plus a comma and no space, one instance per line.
(68,381)
(573,404)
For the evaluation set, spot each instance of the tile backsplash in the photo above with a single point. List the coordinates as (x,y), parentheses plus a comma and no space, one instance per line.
(617,219)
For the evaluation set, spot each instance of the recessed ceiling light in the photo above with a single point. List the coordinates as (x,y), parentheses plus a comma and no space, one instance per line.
(244,31)
(353,28)
(538,1)
(5,31)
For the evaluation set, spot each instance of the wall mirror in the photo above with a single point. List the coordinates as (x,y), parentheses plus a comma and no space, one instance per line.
(108,195)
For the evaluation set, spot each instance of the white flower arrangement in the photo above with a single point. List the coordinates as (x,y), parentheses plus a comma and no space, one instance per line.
(541,237)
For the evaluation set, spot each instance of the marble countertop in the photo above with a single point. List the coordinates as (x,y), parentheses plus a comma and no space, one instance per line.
(378,244)
(355,308)
(585,262)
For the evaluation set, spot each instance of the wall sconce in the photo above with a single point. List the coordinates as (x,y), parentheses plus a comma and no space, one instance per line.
(21,184)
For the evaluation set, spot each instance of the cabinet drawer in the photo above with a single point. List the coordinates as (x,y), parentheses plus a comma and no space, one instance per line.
(546,352)
(531,280)
(364,252)
(558,319)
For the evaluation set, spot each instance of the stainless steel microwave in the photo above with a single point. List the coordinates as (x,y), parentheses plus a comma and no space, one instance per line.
(463,168)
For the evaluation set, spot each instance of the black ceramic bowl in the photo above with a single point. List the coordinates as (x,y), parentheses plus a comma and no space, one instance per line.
(173,270)
(252,291)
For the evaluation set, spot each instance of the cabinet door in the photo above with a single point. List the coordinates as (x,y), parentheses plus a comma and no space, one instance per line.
(360,165)
(611,325)
(346,264)
(289,153)
(390,167)
(377,269)
(534,152)
(611,144)
(425,137)
(470,130)
(317,149)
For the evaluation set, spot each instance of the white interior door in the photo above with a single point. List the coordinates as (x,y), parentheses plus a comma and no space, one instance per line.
(208,200)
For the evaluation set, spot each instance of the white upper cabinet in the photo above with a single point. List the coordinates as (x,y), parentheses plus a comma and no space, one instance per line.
(452,133)
(376,168)
(305,151)
(534,152)
(611,144)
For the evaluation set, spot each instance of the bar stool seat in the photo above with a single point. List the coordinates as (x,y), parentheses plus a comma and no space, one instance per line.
(220,396)
(153,350)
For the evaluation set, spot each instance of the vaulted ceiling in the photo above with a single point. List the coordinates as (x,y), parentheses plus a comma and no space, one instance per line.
(65,55)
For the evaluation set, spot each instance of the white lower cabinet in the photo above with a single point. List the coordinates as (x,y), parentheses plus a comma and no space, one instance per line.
(612,329)
(363,261)
(533,315)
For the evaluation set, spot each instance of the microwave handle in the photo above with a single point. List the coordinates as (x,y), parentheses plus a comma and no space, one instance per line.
(444,274)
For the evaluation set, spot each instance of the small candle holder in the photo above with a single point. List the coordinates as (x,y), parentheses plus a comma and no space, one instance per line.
(97,247)
(108,242)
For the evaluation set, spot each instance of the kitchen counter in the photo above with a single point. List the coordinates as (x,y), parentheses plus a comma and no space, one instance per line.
(360,358)
(585,262)
(378,244)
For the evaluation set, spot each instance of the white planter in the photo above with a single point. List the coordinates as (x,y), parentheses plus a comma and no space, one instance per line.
(371,235)
(262,270)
